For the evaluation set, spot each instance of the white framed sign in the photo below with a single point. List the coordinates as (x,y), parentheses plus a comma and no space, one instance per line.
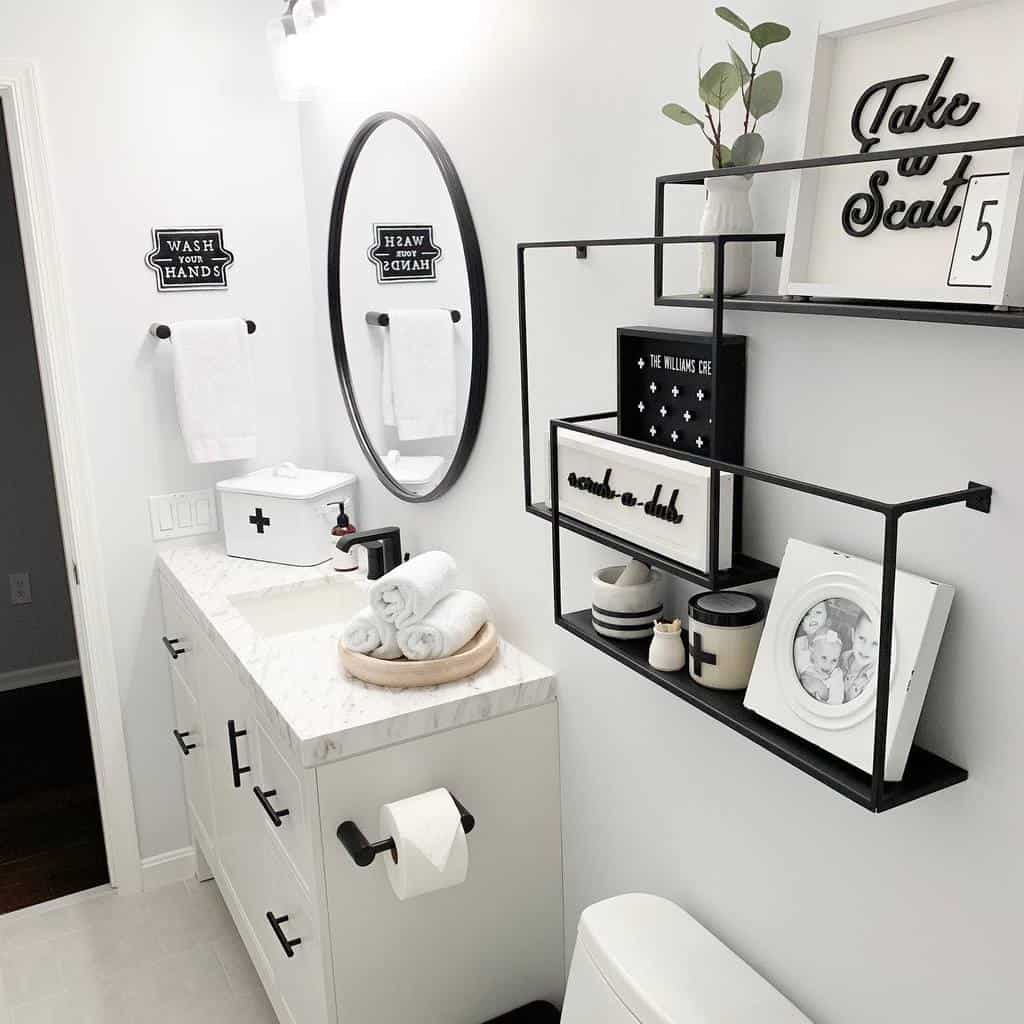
(657,501)
(925,229)
(816,668)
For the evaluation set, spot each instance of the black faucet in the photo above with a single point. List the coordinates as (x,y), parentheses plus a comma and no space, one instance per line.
(383,549)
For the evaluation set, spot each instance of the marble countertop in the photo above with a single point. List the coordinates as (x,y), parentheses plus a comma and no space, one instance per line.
(319,710)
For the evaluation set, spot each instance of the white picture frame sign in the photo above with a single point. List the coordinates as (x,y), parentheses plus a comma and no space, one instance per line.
(908,231)
(815,673)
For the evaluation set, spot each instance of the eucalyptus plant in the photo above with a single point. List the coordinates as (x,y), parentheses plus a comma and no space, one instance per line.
(760,93)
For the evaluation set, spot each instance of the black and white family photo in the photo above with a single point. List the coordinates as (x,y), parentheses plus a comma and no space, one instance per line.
(835,651)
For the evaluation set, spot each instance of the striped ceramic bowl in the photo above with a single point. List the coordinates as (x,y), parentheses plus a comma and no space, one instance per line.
(625,613)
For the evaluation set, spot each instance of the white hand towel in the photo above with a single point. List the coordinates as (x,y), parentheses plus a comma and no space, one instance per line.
(419,362)
(407,593)
(366,634)
(213,383)
(448,627)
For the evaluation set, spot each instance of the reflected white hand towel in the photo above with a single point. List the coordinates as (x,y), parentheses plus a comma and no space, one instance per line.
(213,384)
(407,593)
(449,626)
(420,362)
(366,634)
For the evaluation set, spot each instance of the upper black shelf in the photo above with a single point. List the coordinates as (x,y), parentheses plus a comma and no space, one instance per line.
(979,316)
(871,157)
(745,569)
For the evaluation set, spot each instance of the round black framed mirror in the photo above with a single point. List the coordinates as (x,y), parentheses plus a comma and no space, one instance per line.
(408,306)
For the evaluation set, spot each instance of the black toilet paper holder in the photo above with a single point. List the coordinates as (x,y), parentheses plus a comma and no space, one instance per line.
(363,852)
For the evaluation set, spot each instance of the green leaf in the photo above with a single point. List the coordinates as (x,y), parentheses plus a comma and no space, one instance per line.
(719,84)
(726,157)
(740,66)
(764,93)
(769,32)
(679,114)
(747,150)
(734,19)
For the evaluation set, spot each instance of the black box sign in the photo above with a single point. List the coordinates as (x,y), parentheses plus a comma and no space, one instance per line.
(404,252)
(665,381)
(189,259)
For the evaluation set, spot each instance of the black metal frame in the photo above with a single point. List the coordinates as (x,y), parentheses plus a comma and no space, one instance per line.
(928,772)
(874,309)
(477,301)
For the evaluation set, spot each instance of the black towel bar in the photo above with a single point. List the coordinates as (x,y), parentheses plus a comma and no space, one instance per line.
(363,852)
(375,319)
(163,332)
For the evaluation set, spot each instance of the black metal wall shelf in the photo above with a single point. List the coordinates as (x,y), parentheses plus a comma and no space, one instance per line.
(925,773)
(950,313)
(978,316)
(745,570)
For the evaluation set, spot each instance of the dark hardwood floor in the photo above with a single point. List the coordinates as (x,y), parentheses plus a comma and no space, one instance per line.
(51,838)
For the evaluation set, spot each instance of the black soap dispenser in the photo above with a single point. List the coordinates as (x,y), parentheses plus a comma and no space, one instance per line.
(344,561)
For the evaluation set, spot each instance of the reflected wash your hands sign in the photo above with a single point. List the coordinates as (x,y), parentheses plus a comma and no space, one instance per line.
(404,252)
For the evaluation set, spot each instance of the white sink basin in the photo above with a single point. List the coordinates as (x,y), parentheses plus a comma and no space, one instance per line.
(330,602)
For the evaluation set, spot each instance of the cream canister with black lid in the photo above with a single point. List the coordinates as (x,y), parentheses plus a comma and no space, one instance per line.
(724,631)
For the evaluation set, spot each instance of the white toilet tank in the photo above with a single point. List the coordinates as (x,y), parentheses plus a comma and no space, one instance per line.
(640,959)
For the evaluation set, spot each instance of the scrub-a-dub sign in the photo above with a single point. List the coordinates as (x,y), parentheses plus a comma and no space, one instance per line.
(189,259)
(936,227)
(404,252)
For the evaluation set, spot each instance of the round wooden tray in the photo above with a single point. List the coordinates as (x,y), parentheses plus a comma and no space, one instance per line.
(403,673)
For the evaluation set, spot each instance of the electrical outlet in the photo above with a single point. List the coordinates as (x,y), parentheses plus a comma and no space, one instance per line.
(21,588)
(185,514)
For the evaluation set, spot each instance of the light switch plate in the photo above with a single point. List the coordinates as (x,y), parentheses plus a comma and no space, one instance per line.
(185,514)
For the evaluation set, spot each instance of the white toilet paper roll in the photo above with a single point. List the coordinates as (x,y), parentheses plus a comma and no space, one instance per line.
(430,843)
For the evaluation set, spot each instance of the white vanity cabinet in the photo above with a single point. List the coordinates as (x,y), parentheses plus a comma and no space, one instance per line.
(330,940)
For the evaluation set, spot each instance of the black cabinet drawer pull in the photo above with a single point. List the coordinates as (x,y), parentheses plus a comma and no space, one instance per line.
(288,945)
(264,798)
(172,650)
(237,771)
(185,747)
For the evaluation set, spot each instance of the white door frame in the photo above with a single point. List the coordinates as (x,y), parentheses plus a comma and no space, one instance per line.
(54,334)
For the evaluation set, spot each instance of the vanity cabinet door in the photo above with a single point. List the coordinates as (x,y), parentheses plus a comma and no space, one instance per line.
(288,933)
(474,951)
(190,740)
(230,728)
(180,634)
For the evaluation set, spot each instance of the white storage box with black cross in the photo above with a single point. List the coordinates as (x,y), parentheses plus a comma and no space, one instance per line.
(284,514)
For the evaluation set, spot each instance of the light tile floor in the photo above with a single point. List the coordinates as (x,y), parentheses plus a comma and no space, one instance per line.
(109,958)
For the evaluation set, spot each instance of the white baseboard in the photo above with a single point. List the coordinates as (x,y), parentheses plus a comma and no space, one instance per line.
(52,673)
(169,867)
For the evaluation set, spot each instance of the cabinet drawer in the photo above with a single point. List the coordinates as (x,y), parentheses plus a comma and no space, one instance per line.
(282,791)
(298,978)
(180,634)
(190,742)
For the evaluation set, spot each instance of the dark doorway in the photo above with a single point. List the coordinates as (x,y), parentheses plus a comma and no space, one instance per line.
(51,837)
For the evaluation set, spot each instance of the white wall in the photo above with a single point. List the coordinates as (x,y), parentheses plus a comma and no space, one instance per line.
(43,632)
(551,114)
(164,114)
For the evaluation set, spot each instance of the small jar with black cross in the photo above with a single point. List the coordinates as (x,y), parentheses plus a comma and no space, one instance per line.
(724,631)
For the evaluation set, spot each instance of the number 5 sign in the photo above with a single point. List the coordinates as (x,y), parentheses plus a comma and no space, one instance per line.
(977,236)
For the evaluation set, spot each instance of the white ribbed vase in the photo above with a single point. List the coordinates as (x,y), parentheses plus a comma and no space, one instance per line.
(727,211)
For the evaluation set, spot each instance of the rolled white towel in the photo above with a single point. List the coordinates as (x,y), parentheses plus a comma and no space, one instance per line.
(449,626)
(406,594)
(366,634)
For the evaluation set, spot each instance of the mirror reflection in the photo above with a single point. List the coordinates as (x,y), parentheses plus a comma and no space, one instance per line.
(414,353)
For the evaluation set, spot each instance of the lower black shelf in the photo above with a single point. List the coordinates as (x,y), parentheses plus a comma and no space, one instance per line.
(745,570)
(925,773)
(926,312)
